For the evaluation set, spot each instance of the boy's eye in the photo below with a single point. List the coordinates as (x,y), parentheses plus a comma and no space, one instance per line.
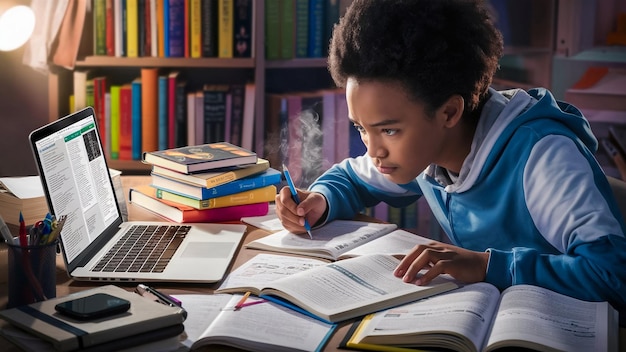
(359,128)
(389,131)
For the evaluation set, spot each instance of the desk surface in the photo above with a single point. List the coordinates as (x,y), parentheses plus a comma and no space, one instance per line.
(65,285)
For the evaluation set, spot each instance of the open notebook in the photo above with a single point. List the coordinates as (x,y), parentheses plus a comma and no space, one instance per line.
(97,244)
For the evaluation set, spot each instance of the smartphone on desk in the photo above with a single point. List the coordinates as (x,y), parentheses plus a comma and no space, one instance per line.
(95,306)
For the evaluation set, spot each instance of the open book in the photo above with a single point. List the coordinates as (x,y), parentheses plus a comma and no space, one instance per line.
(477,317)
(345,289)
(342,239)
(213,320)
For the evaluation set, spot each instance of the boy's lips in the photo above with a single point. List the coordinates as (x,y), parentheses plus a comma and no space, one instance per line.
(385,169)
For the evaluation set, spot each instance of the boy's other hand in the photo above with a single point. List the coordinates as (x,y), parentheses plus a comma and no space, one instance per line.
(441,258)
(312,206)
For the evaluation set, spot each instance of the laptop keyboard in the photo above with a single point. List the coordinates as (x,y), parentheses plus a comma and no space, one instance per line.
(143,248)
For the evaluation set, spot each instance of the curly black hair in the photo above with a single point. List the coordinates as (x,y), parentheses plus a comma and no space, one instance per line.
(433,48)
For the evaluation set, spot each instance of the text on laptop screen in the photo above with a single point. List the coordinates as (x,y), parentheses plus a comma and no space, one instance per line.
(77,177)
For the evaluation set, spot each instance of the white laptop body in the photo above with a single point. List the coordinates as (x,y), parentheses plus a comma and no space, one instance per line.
(76,180)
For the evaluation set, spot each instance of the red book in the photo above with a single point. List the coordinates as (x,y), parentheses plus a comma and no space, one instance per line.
(171,109)
(110,28)
(145,197)
(126,123)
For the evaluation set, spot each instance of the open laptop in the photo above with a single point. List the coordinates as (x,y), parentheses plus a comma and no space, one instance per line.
(77,183)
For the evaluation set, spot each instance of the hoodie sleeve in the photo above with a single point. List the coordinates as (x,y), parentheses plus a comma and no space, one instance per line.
(572,206)
(354,184)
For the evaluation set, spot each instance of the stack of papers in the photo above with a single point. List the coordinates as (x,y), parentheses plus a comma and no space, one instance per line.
(23,194)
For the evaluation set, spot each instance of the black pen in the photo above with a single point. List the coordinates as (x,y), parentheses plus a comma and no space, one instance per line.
(163,298)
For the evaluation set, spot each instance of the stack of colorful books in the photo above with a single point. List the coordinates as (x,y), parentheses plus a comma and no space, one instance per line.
(214,182)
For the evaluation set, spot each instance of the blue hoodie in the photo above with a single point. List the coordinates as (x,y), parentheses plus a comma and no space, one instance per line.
(530,192)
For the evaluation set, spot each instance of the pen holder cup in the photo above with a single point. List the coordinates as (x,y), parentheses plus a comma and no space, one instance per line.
(32,273)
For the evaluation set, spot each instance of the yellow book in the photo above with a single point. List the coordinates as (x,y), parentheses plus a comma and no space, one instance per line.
(259,195)
(72,103)
(195,27)
(225,29)
(115,121)
(132,28)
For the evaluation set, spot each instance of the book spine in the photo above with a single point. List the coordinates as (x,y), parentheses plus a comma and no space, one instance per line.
(233,213)
(149,109)
(272,29)
(301,28)
(126,122)
(180,100)
(119,11)
(160,27)
(115,121)
(191,118)
(343,127)
(225,27)
(214,114)
(287,29)
(331,17)
(186,28)
(171,110)
(147,28)
(154,31)
(141,28)
(242,28)
(99,30)
(237,107)
(209,28)
(316,28)
(166,28)
(132,28)
(263,194)
(136,119)
(195,28)
(163,112)
(176,28)
(107,119)
(110,28)
(124,30)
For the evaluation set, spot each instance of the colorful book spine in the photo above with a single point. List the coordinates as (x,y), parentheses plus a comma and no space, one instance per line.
(119,16)
(171,110)
(195,28)
(237,92)
(180,99)
(132,28)
(166,28)
(99,24)
(141,28)
(160,27)
(287,29)
(214,113)
(301,34)
(147,28)
(115,121)
(136,119)
(316,28)
(144,197)
(209,28)
(163,112)
(225,27)
(149,109)
(267,178)
(110,28)
(126,122)
(263,194)
(176,28)
(242,28)
(272,29)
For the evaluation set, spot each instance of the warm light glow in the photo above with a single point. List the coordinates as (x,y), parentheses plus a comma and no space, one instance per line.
(16,26)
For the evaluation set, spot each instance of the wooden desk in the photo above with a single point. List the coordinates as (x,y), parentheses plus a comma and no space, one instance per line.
(65,285)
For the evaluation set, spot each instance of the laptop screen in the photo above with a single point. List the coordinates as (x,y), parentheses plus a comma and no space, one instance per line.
(76,179)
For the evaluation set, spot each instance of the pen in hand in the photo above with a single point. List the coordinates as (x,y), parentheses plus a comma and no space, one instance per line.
(294,195)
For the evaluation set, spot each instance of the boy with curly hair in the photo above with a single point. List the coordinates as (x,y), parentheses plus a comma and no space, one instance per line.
(510,176)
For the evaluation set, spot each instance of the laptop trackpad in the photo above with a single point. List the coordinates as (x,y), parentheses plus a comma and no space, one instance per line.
(207,250)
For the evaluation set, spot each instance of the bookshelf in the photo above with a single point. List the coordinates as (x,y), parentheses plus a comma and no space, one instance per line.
(585,47)
(256,69)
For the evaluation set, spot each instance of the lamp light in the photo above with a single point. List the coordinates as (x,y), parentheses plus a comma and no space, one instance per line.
(16,26)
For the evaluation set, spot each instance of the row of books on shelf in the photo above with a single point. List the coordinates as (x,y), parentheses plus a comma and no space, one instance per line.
(158,111)
(300,28)
(213,28)
(213,182)
(173,28)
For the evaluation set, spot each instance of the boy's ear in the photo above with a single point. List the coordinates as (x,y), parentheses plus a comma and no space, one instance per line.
(452,110)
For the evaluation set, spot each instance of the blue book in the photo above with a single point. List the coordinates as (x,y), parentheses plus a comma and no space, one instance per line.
(162,112)
(266,178)
(176,28)
(136,118)
(316,28)
(166,28)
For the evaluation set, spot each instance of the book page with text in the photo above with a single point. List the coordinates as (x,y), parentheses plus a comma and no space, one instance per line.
(398,242)
(353,287)
(458,320)
(540,317)
(329,241)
